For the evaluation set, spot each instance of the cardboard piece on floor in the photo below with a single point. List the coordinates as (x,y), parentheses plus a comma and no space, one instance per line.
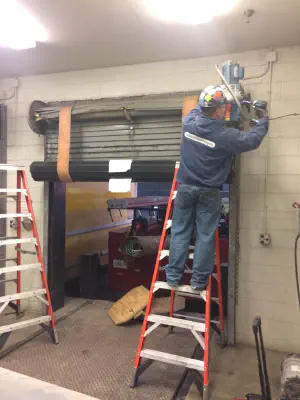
(161,305)
(129,306)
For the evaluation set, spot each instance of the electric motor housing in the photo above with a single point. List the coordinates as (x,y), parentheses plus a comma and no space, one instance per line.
(290,378)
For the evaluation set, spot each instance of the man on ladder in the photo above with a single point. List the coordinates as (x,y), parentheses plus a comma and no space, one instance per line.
(207,150)
(206,155)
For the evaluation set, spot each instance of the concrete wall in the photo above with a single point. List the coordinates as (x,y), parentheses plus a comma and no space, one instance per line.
(266,276)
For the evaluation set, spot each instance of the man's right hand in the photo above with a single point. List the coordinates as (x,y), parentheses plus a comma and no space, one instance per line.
(255,122)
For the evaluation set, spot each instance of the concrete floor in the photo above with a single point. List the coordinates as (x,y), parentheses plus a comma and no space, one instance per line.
(234,373)
(16,386)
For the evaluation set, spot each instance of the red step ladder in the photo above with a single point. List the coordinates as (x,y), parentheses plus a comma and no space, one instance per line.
(42,294)
(200,328)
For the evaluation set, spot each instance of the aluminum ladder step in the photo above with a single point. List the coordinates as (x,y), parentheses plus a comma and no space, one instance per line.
(7,242)
(24,324)
(22,295)
(6,167)
(181,289)
(166,253)
(191,317)
(179,323)
(16,215)
(16,268)
(173,359)
(13,191)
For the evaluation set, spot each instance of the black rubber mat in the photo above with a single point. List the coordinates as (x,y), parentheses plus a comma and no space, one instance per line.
(95,357)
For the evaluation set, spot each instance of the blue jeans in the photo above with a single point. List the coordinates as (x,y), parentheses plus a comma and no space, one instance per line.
(194,205)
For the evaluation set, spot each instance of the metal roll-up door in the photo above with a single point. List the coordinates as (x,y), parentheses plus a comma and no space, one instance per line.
(146,129)
(138,128)
(145,138)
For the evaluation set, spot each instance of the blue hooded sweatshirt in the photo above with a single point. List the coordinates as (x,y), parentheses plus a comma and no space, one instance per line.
(208,147)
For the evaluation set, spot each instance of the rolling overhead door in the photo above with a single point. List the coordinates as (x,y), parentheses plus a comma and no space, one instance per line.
(145,138)
(146,129)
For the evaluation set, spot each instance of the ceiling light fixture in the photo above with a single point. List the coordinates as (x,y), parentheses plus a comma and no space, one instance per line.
(18,29)
(190,12)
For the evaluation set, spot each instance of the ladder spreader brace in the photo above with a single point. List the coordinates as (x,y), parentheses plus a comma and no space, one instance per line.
(200,328)
(14,300)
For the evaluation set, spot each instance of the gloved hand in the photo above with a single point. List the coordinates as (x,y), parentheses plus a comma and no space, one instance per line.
(254,122)
(264,120)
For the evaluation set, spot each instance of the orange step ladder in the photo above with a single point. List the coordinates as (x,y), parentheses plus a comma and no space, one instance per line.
(14,300)
(200,328)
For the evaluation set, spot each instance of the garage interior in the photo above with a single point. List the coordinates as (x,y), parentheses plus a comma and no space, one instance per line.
(127,72)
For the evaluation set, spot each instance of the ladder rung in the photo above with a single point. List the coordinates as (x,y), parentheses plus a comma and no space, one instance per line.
(23,295)
(8,259)
(24,324)
(191,317)
(169,224)
(6,167)
(8,280)
(19,215)
(179,323)
(163,254)
(181,289)
(166,253)
(16,268)
(194,295)
(173,359)
(17,241)
(12,191)
(8,196)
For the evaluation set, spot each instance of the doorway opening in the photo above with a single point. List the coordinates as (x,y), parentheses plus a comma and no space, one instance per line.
(111,240)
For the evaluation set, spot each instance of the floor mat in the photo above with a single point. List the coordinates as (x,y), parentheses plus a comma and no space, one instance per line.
(95,357)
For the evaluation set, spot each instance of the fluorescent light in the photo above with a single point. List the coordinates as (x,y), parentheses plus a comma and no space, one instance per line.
(190,12)
(18,29)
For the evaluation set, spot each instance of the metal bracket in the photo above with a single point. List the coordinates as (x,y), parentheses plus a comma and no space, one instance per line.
(25,251)
(52,332)
(3,307)
(42,299)
(3,339)
(128,118)
(131,128)
(199,338)
(151,329)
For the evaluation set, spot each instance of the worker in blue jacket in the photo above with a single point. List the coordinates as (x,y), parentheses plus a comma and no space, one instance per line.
(206,155)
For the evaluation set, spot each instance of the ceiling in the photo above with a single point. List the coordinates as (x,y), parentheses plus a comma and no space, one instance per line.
(86,34)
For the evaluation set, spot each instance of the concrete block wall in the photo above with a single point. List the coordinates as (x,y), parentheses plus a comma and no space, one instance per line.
(266,276)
